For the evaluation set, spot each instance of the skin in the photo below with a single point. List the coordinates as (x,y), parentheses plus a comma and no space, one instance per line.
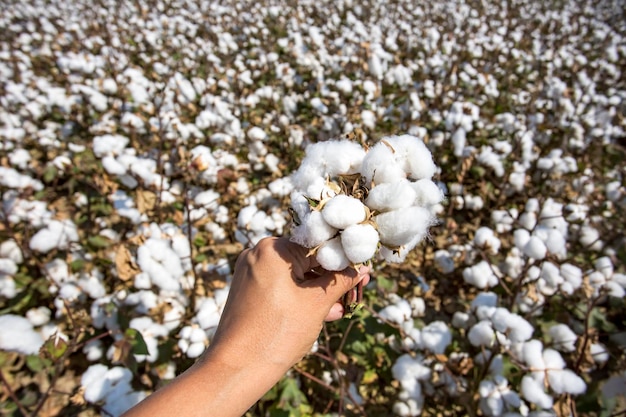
(274,313)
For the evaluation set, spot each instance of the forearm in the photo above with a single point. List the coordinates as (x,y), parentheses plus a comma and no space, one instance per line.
(215,386)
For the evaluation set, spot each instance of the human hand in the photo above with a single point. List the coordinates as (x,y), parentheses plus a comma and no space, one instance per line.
(273,315)
(277,303)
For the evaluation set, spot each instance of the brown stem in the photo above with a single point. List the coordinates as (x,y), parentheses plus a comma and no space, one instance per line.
(19,405)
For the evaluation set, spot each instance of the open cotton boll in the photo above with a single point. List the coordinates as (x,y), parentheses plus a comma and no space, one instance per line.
(312,231)
(342,211)
(334,157)
(427,193)
(57,234)
(380,166)
(391,196)
(399,227)
(399,312)
(436,337)
(535,248)
(482,275)
(484,238)
(17,335)
(533,391)
(482,334)
(413,155)
(331,256)
(566,381)
(359,242)
(563,338)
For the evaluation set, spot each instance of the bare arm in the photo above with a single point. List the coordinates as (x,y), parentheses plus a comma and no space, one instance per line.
(273,315)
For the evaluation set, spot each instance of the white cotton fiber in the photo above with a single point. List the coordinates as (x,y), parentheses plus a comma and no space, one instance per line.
(413,155)
(379,165)
(427,193)
(482,275)
(563,338)
(331,255)
(535,248)
(359,242)
(399,227)
(566,381)
(17,335)
(391,196)
(57,234)
(436,337)
(484,238)
(533,391)
(482,334)
(398,312)
(313,230)
(342,211)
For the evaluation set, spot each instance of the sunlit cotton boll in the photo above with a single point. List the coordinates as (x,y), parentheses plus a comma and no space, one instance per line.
(17,335)
(399,227)
(312,231)
(328,159)
(342,211)
(563,338)
(436,337)
(482,334)
(481,275)
(533,391)
(413,155)
(331,255)
(359,242)
(391,196)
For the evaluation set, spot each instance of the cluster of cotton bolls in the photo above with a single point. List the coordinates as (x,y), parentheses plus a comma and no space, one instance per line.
(351,205)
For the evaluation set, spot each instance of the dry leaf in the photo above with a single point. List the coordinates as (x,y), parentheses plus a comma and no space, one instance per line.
(146,200)
(126,267)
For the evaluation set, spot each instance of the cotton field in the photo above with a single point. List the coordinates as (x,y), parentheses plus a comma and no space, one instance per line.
(471,152)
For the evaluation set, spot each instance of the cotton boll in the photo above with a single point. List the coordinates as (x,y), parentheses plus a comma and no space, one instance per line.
(563,338)
(399,227)
(331,256)
(459,138)
(342,211)
(484,238)
(535,248)
(461,320)
(313,230)
(532,391)
(532,354)
(521,238)
(444,261)
(427,193)
(482,275)
(17,335)
(359,242)
(482,334)
(379,165)
(413,155)
(436,337)
(599,353)
(398,312)
(565,381)
(572,274)
(391,196)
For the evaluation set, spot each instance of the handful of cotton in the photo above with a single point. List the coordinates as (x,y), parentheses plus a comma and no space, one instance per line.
(351,206)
